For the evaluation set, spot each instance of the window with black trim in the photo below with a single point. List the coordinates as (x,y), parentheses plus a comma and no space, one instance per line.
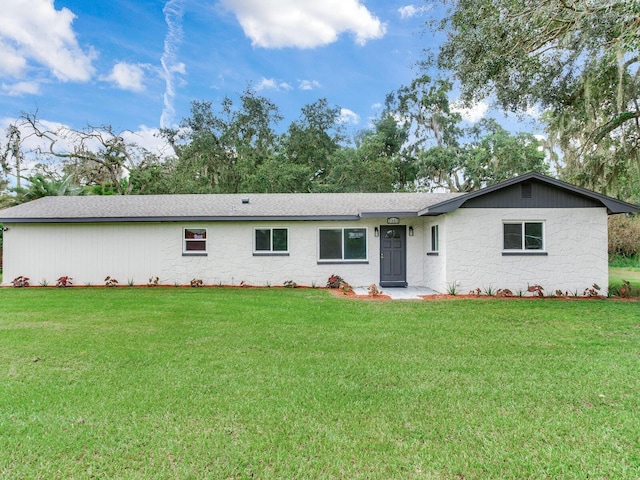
(271,240)
(435,238)
(523,236)
(342,244)
(195,241)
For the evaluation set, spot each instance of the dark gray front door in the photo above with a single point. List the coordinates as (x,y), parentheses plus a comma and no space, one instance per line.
(393,256)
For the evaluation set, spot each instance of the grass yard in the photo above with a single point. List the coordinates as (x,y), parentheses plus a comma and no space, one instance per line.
(233,383)
(617,275)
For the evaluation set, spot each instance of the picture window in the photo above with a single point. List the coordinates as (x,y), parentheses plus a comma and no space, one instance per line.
(342,244)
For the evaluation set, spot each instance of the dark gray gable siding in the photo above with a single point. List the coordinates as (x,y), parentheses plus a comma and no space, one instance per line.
(531,190)
(532,194)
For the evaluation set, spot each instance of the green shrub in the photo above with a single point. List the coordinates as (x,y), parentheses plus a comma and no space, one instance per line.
(624,236)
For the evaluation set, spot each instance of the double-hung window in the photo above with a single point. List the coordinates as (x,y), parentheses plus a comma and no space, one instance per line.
(194,241)
(342,244)
(271,241)
(527,237)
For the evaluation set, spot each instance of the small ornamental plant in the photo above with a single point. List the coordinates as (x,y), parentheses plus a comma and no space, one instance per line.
(196,283)
(489,291)
(593,291)
(64,282)
(626,290)
(20,282)
(504,292)
(373,290)
(345,287)
(153,282)
(536,290)
(334,281)
(110,282)
(290,284)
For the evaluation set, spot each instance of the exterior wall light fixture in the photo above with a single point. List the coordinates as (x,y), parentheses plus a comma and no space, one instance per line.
(411,231)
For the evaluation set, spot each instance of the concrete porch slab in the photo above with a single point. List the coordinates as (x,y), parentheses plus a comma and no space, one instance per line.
(399,293)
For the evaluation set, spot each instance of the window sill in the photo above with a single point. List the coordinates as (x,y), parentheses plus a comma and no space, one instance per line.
(524,253)
(194,254)
(343,262)
(433,254)
(270,254)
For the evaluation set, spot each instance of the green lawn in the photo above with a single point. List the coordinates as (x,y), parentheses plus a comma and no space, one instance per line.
(233,383)
(616,275)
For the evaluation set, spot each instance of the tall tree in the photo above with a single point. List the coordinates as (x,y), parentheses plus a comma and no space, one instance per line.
(217,151)
(485,154)
(424,113)
(11,156)
(440,153)
(576,59)
(373,165)
(95,156)
(312,139)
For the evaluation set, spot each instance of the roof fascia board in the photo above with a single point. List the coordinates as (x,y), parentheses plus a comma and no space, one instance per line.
(444,207)
(388,214)
(9,221)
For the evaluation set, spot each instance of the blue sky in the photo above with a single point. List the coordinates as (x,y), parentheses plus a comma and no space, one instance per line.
(137,64)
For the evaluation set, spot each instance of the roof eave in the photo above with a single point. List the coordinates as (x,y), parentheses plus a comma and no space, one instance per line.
(447,206)
(388,214)
(254,218)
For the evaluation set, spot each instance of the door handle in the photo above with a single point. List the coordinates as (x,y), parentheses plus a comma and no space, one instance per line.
(382,255)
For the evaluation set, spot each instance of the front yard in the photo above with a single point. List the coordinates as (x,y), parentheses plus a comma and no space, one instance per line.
(233,383)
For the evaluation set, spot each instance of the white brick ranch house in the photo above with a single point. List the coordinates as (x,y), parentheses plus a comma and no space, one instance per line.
(528,230)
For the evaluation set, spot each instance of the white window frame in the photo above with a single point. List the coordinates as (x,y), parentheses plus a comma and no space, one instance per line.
(185,241)
(523,248)
(435,246)
(343,260)
(271,251)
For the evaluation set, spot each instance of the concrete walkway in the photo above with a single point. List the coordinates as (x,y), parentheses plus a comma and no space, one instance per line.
(399,293)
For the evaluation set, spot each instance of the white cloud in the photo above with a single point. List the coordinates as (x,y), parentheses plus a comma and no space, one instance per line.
(12,63)
(34,32)
(149,139)
(349,116)
(21,88)
(409,11)
(292,23)
(127,76)
(308,84)
(272,84)
(471,114)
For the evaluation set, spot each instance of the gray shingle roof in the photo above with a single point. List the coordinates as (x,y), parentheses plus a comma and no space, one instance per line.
(132,208)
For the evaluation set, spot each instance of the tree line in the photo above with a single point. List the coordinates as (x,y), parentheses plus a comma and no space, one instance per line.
(417,143)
